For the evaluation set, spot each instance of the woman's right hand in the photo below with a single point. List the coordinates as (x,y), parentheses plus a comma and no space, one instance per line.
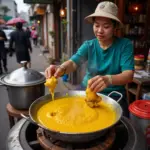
(54,70)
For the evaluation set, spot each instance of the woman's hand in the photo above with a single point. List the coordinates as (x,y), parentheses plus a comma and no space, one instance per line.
(54,70)
(98,83)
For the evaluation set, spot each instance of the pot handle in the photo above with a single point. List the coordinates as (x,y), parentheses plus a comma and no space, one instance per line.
(30,120)
(1,83)
(24,64)
(27,118)
(116,93)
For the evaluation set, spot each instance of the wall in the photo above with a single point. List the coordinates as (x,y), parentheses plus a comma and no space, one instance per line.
(51,28)
(87,7)
(1,13)
(12,6)
(45,30)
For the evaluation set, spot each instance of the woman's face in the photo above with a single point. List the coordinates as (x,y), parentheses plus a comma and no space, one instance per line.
(103,28)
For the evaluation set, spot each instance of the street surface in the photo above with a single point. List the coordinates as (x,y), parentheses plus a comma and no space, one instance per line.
(39,63)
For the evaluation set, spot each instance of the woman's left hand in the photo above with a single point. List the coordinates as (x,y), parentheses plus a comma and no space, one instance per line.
(98,83)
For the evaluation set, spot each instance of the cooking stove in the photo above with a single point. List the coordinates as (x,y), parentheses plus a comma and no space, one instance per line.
(27,136)
(48,143)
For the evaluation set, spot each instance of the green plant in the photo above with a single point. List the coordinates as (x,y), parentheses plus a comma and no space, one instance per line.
(50,60)
(64,22)
(64,57)
(5,10)
(52,34)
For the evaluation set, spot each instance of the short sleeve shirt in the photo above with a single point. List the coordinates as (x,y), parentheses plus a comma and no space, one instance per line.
(114,60)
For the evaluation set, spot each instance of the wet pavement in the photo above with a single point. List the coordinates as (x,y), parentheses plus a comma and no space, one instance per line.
(39,63)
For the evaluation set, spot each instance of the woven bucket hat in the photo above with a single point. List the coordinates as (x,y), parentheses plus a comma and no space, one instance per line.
(106,9)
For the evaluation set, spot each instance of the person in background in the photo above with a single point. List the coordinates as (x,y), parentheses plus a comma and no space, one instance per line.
(22,44)
(28,32)
(110,60)
(34,36)
(3,52)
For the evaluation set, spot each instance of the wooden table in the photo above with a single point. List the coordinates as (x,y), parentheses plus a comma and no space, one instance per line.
(136,88)
(14,114)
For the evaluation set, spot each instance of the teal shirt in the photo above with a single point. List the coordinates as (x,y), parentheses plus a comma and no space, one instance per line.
(116,59)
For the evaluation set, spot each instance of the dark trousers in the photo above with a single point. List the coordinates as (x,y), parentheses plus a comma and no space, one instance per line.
(35,41)
(4,61)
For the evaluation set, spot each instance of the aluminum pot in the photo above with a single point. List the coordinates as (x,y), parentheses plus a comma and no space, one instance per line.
(73,137)
(23,86)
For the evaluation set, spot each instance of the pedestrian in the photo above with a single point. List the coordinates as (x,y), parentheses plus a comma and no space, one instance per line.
(34,36)
(22,44)
(3,52)
(28,32)
(110,61)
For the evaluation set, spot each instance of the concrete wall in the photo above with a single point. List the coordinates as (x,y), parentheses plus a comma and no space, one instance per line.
(87,7)
(1,13)
(86,30)
(45,30)
(12,6)
(50,38)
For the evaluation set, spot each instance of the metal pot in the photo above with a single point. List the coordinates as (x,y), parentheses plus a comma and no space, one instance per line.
(73,137)
(23,86)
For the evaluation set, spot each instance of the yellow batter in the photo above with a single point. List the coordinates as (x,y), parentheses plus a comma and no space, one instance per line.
(92,99)
(72,114)
(51,84)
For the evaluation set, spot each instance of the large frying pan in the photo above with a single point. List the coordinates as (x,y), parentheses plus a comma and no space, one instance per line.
(74,137)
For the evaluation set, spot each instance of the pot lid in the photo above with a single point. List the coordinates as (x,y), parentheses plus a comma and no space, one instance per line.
(140,108)
(23,77)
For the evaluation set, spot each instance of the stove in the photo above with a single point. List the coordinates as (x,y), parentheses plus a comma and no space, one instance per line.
(103,143)
(27,136)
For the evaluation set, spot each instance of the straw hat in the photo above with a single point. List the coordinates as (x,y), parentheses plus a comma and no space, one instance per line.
(105,9)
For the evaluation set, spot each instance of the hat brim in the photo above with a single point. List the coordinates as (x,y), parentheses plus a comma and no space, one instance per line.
(89,18)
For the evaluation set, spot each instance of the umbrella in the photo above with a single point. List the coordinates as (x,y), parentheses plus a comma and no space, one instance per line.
(15,20)
(2,21)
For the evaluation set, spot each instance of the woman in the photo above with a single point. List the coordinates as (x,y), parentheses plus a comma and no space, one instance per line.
(34,36)
(110,62)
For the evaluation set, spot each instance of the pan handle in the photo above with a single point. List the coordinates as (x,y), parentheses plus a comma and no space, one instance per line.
(30,120)
(1,83)
(116,93)
(27,118)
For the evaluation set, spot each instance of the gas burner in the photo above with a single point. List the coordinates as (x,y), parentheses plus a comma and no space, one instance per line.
(23,137)
(124,136)
(48,143)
